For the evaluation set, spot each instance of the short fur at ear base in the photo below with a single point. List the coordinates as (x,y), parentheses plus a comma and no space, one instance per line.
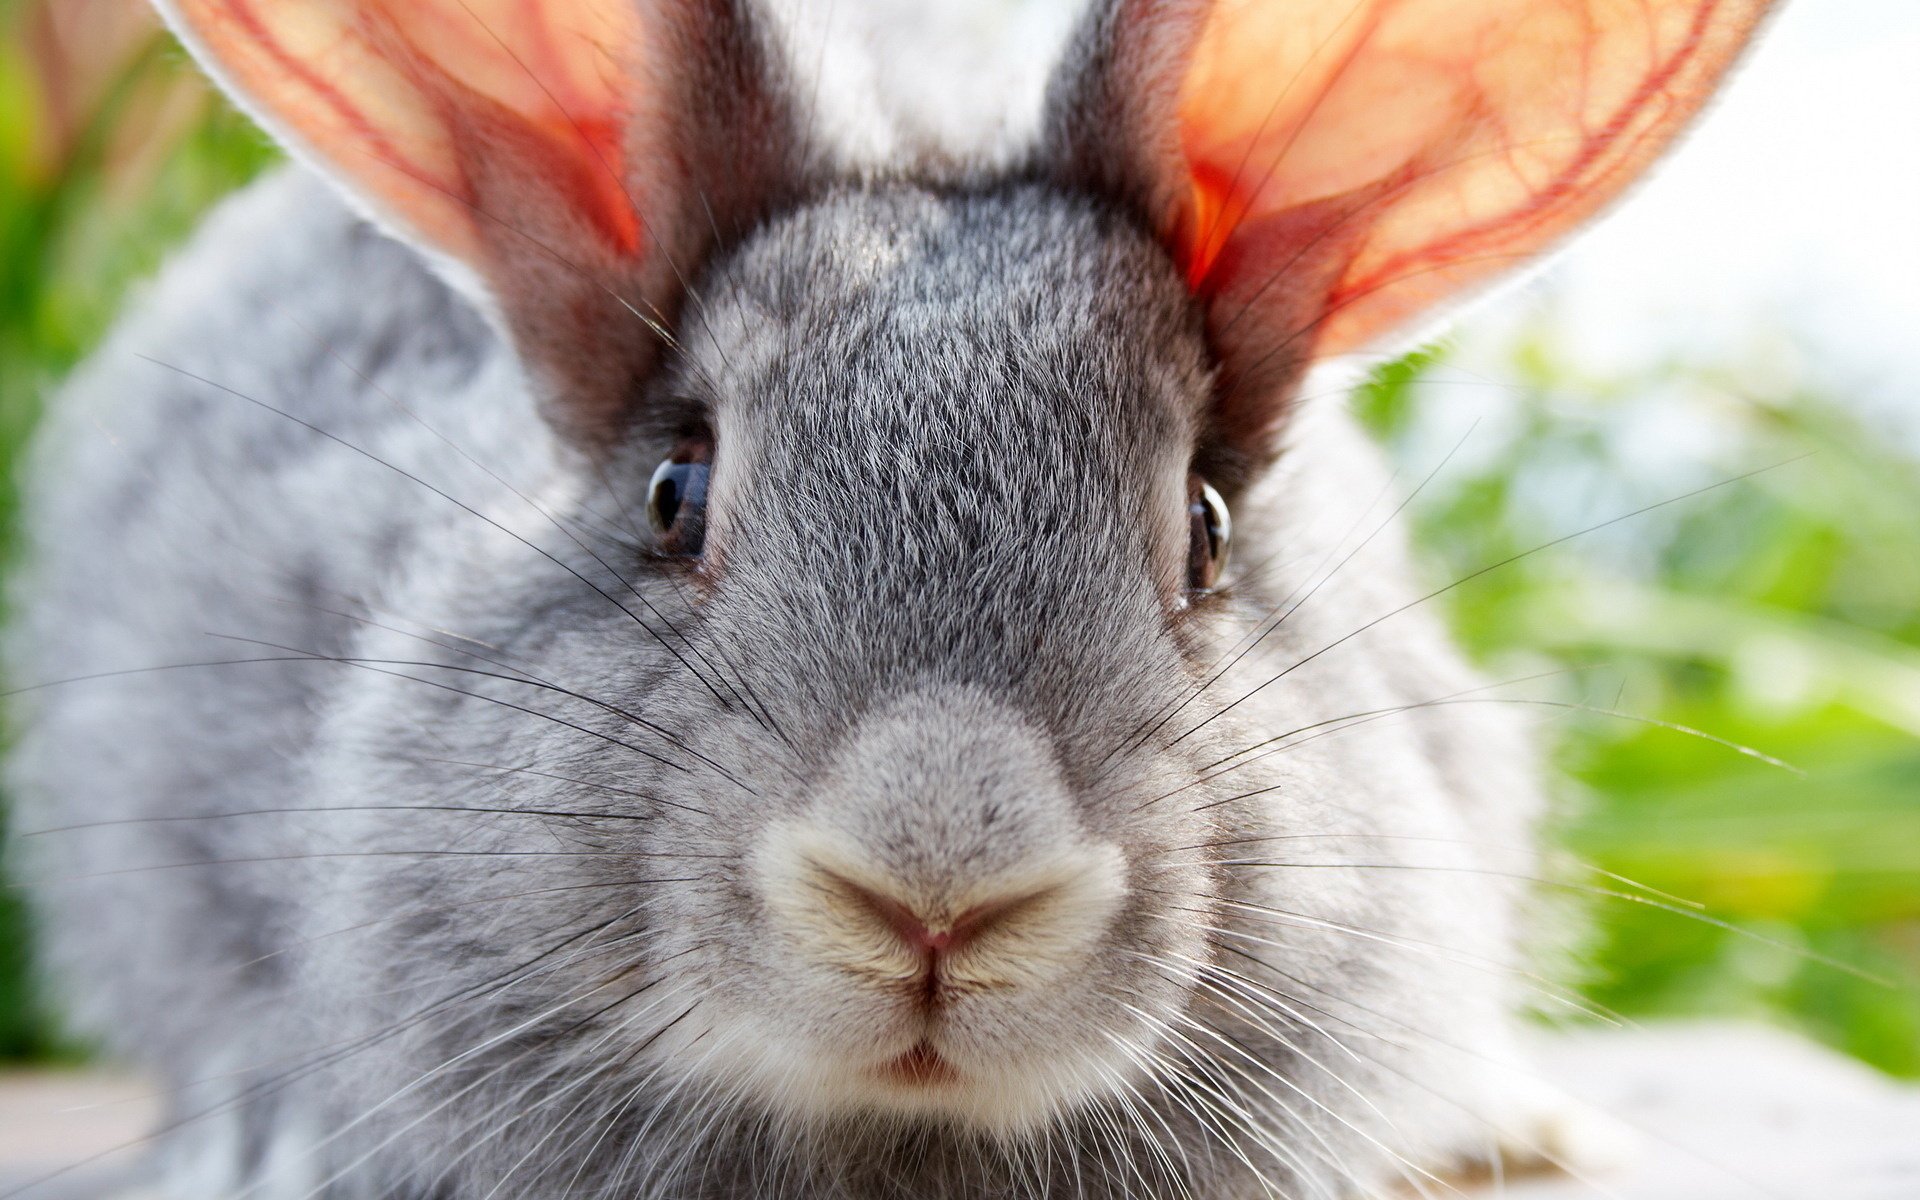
(1327,172)
(569,163)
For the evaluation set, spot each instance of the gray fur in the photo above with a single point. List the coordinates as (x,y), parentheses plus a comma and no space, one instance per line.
(954,428)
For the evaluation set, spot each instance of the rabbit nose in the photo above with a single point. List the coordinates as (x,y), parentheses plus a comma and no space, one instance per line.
(941,840)
(945,935)
(909,926)
(835,906)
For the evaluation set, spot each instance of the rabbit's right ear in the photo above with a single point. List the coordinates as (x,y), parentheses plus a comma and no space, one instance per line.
(571,160)
(1326,171)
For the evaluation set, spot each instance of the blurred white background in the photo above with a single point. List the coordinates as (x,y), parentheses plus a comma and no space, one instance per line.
(1785,230)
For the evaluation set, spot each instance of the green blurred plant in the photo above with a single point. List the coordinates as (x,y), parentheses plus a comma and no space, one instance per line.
(1776,612)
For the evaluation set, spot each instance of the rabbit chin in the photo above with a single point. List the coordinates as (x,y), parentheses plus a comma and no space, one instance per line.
(923,1081)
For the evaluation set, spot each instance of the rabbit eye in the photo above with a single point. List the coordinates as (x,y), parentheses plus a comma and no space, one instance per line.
(677,497)
(1211,534)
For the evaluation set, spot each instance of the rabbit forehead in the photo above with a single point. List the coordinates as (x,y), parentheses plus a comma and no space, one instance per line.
(894,309)
(951,427)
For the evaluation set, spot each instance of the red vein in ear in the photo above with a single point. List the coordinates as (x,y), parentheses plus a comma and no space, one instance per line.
(241,14)
(1220,202)
(1546,202)
(603,194)
(576,160)
(1213,205)
(569,140)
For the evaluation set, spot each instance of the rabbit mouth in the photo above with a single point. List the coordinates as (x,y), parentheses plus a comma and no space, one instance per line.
(919,1068)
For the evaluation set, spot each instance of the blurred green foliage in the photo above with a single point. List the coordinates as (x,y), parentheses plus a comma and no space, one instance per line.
(1777,611)
(1774,610)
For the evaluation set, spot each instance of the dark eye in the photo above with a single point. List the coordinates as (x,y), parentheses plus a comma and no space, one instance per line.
(1211,533)
(677,497)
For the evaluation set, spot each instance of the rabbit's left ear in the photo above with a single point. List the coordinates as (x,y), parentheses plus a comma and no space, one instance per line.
(570,160)
(1326,171)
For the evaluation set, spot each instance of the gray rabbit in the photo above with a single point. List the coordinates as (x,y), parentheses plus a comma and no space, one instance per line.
(648,655)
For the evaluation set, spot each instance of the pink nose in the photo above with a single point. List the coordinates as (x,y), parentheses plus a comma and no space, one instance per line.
(940,938)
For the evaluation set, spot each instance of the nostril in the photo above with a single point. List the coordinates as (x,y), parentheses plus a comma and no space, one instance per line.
(907,925)
(943,935)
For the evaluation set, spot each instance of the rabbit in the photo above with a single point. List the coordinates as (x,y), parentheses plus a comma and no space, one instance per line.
(583,641)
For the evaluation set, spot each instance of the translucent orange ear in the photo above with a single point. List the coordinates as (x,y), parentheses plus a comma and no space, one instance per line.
(573,158)
(410,102)
(1325,171)
(1425,144)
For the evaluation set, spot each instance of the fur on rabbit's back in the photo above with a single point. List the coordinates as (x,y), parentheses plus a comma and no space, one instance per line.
(172,513)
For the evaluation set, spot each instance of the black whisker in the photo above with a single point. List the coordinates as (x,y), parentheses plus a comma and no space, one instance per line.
(1282,616)
(1472,575)
(301,810)
(462,505)
(523,679)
